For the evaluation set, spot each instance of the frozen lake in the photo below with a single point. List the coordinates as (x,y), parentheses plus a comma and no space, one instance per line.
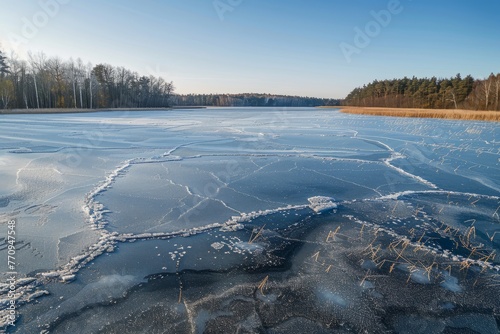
(243,220)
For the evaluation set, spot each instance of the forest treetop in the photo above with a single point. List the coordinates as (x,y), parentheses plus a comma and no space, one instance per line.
(49,82)
(434,93)
(43,82)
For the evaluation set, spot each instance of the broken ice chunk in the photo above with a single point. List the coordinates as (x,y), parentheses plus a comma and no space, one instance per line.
(321,203)
(217,245)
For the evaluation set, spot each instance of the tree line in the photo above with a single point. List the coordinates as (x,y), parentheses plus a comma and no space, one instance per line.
(433,93)
(43,82)
(250,100)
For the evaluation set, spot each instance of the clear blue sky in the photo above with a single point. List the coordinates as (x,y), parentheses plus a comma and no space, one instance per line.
(269,46)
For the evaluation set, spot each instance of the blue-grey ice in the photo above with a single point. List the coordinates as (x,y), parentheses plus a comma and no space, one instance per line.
(334,208)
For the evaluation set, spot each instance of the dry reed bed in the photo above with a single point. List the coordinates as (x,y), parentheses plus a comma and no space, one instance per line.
(476,115)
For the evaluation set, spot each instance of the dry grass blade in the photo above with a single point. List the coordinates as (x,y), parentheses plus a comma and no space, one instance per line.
(263,284)
(395,206)
(315,256)
(331,234)
(420,240)
(471,220)
(472,230)
(259,233)
(465,265)
(364,278)
(449,269)
(361,231)
(428,269)
(493,236)
(494,213)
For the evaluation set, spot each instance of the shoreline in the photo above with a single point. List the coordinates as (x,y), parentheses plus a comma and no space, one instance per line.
(84,111)
(455,114)
(451,114)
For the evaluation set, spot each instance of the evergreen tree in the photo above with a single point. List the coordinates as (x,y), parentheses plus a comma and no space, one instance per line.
(4,68)
(455,92)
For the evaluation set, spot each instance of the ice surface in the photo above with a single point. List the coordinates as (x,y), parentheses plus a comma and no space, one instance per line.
(243,219)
